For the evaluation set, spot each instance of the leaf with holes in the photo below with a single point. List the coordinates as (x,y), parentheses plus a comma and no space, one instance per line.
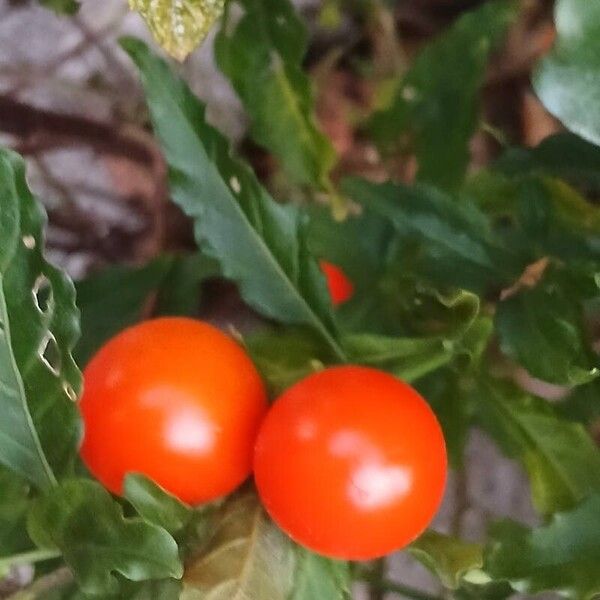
(86,524)
(261,52)
(259,244)
(179,25)
(39,381)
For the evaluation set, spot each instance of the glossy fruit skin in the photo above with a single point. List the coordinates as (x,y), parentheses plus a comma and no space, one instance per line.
(177,400)
(351,463)
(340,287)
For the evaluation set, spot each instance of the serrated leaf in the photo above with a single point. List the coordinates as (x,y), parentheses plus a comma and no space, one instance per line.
(39,381)
(259,244)
(447,557)
(155,504)
(82,520)
(562,555)
(248,558)
(179,26)
(568,80)
(437,100)
(561,459)
(458,246)
(261,52)
(542,329)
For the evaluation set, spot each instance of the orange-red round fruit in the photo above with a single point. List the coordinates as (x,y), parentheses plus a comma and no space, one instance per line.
(351,463)
(340,287)
(176,400)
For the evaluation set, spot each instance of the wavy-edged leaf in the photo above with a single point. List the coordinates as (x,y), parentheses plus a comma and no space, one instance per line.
(561,459)
(82,520)
(568,80)
(562,555)
(447,557)
(39,380)
(437,101)
(248,558)
(259,244)
(261,52)
(179,25)
(156,505)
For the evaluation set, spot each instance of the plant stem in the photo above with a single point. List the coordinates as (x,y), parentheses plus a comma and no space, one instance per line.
(27,558)
(376,577)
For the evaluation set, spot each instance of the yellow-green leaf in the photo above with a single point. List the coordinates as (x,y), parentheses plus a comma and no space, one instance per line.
(179,26)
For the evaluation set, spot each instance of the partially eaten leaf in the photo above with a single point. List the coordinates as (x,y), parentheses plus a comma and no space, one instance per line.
(179,26)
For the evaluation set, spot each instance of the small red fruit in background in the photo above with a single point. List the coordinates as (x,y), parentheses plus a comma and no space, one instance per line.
(351,462)
(340,287)
(176,400)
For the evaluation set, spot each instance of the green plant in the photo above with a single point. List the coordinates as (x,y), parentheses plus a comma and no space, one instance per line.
(460,278)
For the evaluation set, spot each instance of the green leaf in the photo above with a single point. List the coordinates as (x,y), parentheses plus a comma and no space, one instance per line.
(406,358)
(562,555)
(39,381)
(319,577)
(14,504)
(285,357)
(542,329)
(116,297)
(155,505)
(458,247)
(68,7)
(179,25)
(248,557)
(436,103)
(568,80)
(113,299)
(453,402)
(561,459)
(259,244)
(261,52)
(447,557)
(562,155)
(82,520)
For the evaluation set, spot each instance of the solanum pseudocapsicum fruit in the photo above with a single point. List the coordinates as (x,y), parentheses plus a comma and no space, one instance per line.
(351,462)
(340,287)
(176,400)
